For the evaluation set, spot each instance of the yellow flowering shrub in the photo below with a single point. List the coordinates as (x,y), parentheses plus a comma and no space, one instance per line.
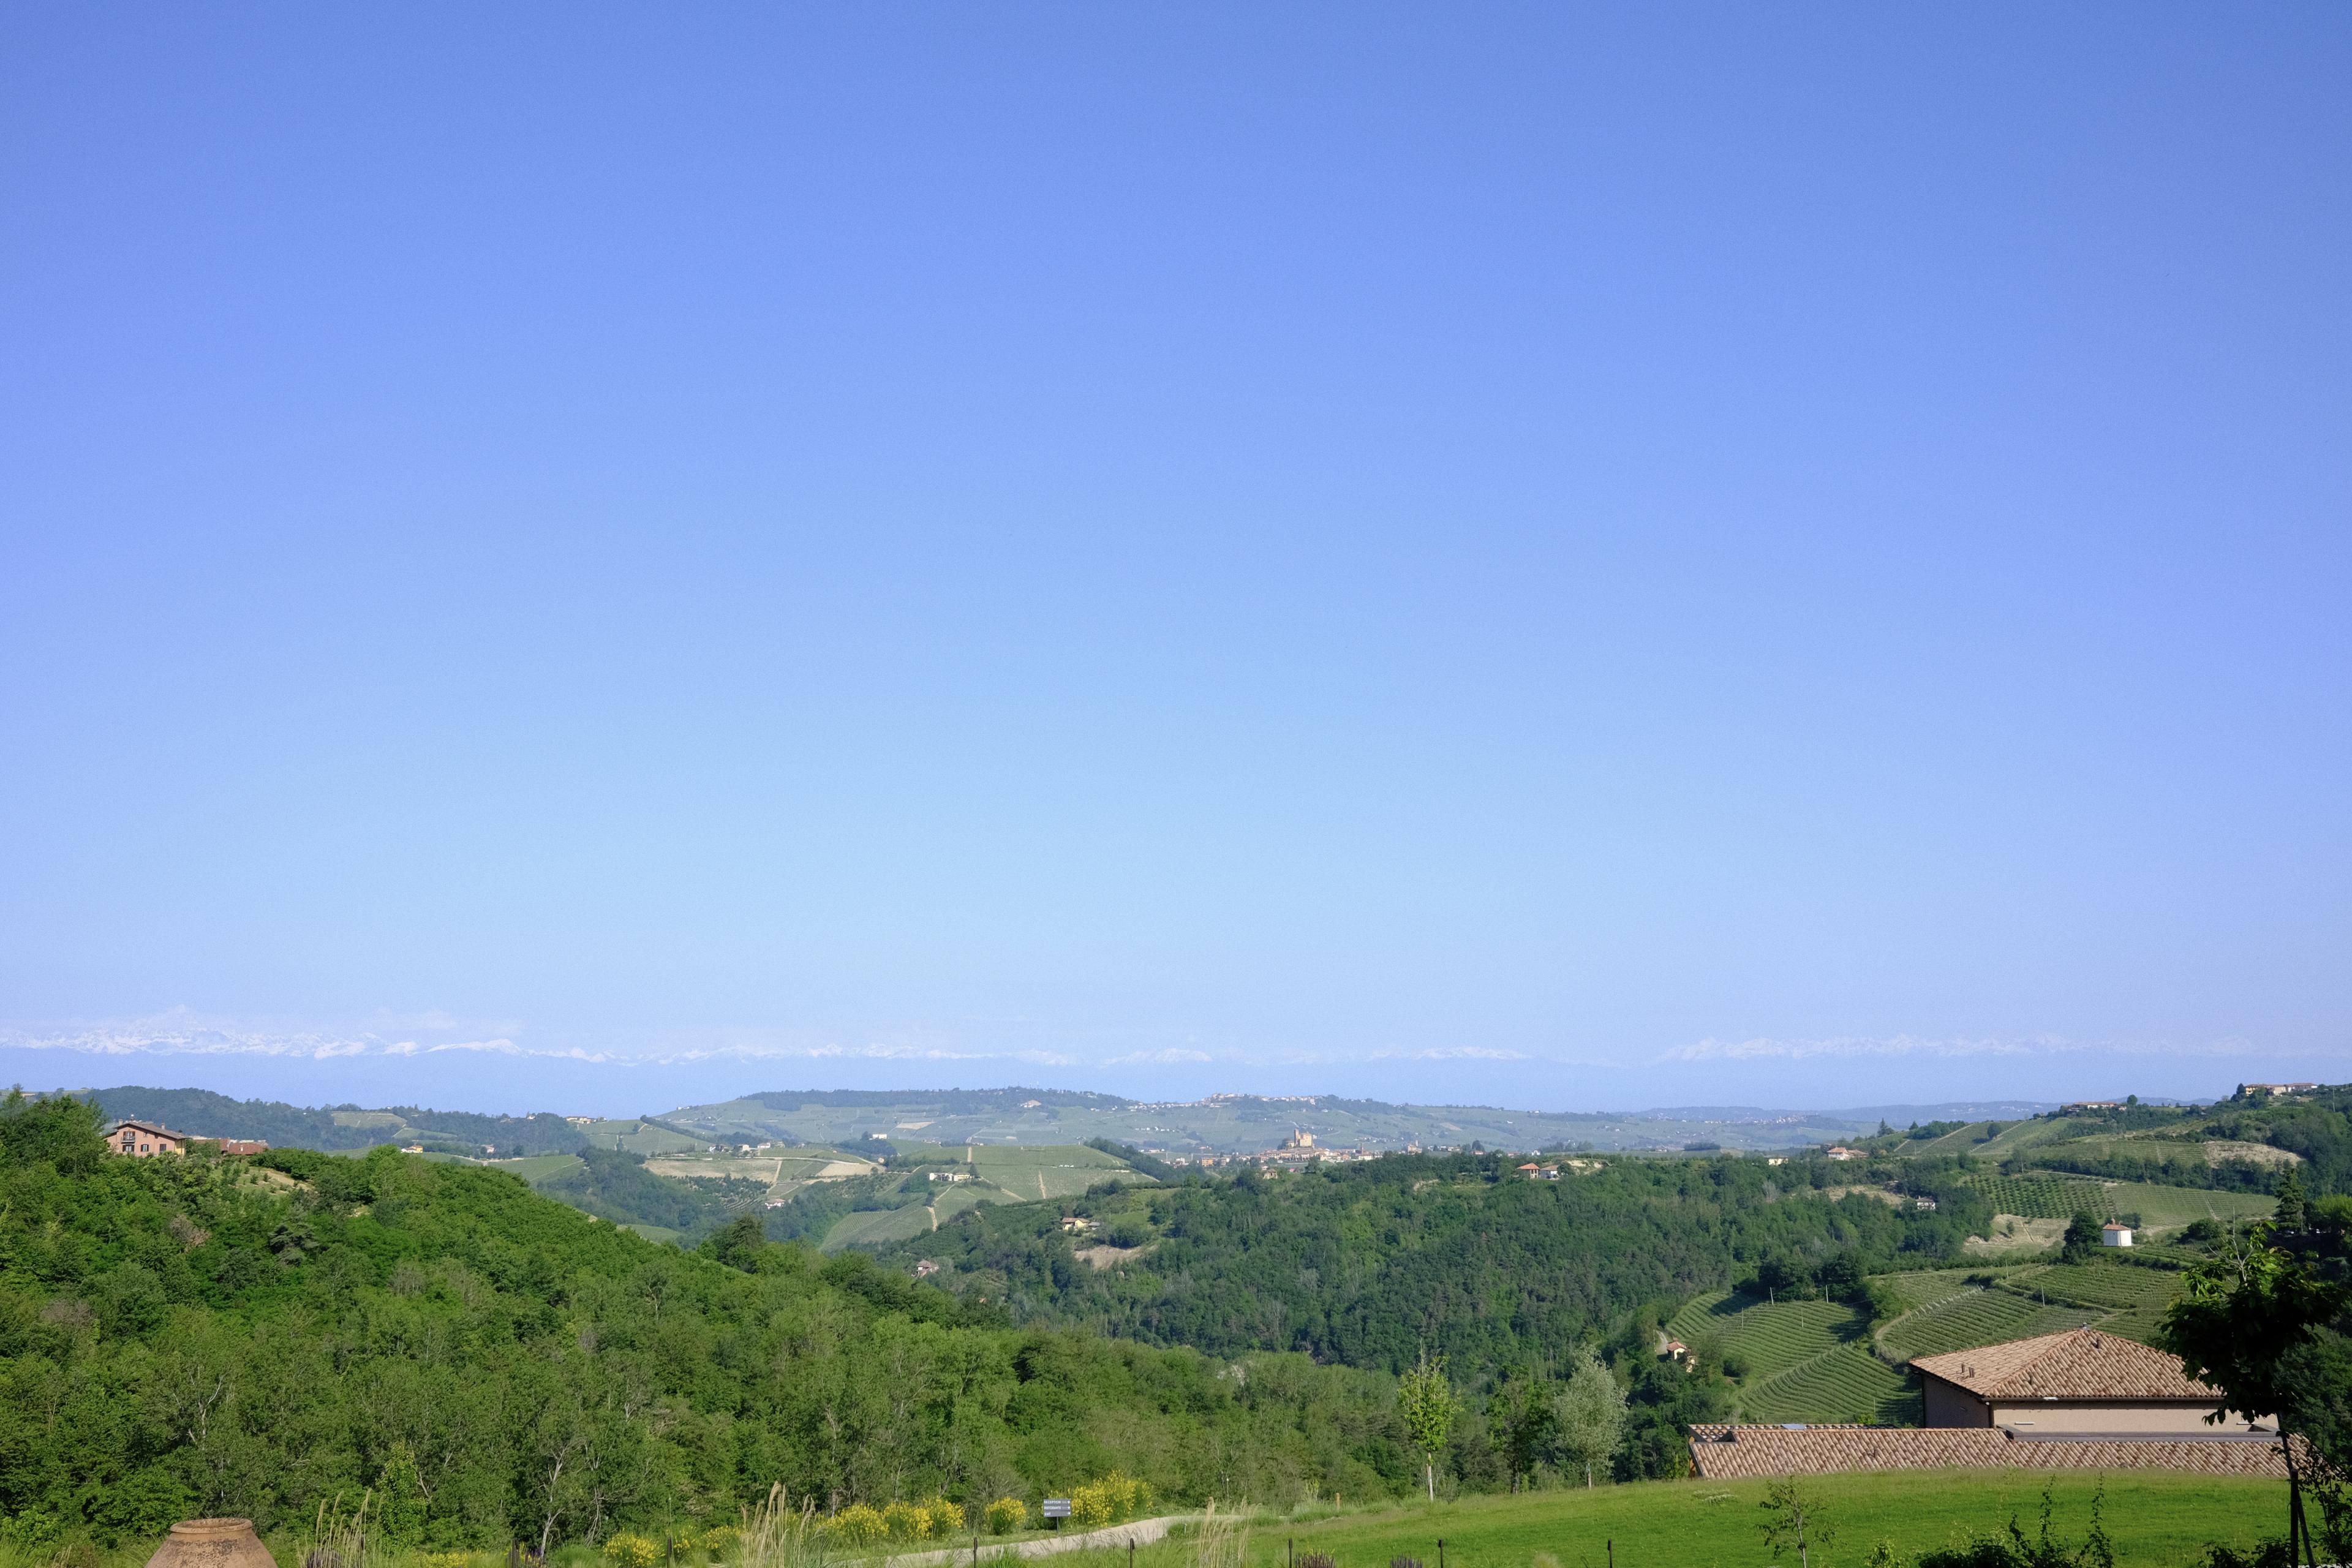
(1105,1501)
(442,1559)
(946,1518)
(907,1522)
(629,1551)
(858,1525)
(1005,1515)
(717,1539)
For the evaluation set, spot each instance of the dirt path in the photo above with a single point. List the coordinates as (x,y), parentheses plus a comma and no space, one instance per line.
(1143,1532)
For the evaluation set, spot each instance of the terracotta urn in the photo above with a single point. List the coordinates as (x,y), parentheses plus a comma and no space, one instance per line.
(212,1544)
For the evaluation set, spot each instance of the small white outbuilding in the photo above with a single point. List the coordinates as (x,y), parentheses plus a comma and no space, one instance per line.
(2115,1235)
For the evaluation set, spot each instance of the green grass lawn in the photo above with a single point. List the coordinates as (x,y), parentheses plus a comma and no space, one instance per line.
(870,1226)
(2159,1207)
(2154,1518)
(2021,1135)
(1046,1171)
(537,1168)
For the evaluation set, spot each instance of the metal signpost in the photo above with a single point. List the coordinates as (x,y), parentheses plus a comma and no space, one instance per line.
(1057,1508)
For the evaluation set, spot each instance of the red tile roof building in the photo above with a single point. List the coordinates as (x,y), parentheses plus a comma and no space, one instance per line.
(145,1140)
(2080,1381)
(1741,1452)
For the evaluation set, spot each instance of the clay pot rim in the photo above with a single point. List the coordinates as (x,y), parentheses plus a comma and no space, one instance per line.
(201,1526)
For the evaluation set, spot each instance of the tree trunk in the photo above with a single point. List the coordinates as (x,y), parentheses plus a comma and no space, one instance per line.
(2298,1533)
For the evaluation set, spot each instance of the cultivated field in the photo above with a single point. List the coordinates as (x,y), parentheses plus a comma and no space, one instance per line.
(999,1175)
(1057,1170)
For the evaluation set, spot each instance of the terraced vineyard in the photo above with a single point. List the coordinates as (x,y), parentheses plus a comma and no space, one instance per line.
(1807,1360)
(1846,1384)
(1982,1317)
(2044,1195)
(1926,1287)
(1772,1337)
(2112,1287)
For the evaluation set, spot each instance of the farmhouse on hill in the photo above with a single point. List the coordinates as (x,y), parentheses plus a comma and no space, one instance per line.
(145,1140)
(2079,1381)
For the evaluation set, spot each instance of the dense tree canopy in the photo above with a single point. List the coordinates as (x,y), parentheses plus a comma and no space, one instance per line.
(1370,1264)
(203,1336)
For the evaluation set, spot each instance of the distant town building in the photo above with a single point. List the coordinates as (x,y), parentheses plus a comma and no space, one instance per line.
(951,1175)
(2277,1089)
(244,1146)
(2093,1105)
(1839,1151)
(1076,1223)
(1299,1138)
(145,1140)
(926,1269)
(2115,1235)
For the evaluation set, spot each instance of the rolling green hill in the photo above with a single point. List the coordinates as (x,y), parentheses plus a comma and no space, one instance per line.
(204,1336)
(1365,1264)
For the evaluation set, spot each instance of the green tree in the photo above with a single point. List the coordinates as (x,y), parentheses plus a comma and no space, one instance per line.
(2293,1210)
(1427,1400)
(2082,1238)
(1792,1518)
(2239,1324)
(1589,1415)
(1519,1424)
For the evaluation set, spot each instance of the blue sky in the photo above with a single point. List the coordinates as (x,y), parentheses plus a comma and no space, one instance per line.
(1576,557)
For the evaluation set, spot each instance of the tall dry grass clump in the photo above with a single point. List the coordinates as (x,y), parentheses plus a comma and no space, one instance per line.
(1222,1541)
(340,1539)
(776,1535)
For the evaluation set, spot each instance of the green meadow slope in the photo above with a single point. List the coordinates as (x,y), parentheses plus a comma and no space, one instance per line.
(2156,1520)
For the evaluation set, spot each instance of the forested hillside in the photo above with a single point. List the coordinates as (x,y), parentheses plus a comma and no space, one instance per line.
(197,1336)
(1367,1264)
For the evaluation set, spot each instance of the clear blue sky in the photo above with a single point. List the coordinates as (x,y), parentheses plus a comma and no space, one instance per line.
(1584,557)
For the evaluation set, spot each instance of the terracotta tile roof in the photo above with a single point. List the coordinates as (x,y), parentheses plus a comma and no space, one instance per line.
(2082,1364)
(1737,1453)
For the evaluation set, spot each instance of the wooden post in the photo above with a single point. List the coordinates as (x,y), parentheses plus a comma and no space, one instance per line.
(1440,1552)
(1612,1552)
